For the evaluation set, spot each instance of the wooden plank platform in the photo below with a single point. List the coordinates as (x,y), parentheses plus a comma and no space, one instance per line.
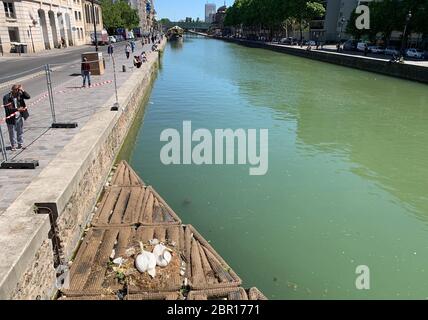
(218,294)
(207,269)
(255,294)
(155,296)
(131,214)
(127,206)
(92,271)
(108,297)
(125,176)
(88,272)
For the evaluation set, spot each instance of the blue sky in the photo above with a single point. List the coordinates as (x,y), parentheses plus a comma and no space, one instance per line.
(180,9)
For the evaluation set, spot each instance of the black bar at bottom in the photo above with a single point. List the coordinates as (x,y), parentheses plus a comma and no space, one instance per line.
(19,164)
(115,107)
(70,125)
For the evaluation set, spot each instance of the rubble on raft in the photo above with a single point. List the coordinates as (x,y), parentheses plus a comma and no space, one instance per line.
(130,219)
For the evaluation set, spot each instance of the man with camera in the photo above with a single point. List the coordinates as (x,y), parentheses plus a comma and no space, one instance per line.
(16,113)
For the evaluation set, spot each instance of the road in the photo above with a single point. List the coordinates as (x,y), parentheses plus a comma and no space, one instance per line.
(13,68)
(25,65)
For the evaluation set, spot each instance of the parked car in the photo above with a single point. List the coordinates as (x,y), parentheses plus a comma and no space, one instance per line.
(415,53)
(361,46)
(392,51)
(350,45)
(112,39)
(102,37)
(376,49)
(310,43)
(119,37)
(289,41)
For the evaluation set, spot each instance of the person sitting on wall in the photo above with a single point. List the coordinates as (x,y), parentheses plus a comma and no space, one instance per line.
(137,61)
(143,56)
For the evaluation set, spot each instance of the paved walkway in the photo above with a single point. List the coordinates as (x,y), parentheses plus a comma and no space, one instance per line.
(52,52)
(332,50)
(73,104)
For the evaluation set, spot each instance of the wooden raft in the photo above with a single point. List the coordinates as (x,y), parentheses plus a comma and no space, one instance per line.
(129,213)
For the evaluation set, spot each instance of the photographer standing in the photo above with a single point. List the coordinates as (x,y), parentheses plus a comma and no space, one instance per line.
(16,113)
(86,72)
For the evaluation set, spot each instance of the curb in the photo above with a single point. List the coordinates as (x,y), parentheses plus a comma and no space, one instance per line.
(30,76)
(27,77)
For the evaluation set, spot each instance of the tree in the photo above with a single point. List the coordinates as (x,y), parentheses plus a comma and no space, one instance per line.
(165,21)
(111,16)
(118,15)
(273,14)
(306,11)
(129,15)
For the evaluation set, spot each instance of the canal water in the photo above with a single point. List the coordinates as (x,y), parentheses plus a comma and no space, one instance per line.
(347,183)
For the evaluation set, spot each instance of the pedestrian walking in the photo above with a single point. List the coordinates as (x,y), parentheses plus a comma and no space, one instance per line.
(86,72)
(143,56)
(127,50)
(110,49)
(132,46)
(16,113)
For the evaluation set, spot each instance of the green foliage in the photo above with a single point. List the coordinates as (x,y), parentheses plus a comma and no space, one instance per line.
(385,16)
(389,15)
(273,14)
(119,15)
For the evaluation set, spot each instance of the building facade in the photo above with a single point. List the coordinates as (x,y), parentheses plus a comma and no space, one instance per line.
(34,26)
(146,13)
(217,25)
(337,18)
(78,29)
(91,10)
(210,10)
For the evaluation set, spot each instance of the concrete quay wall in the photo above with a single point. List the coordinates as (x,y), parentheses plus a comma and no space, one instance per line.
(71,184)
(405,71)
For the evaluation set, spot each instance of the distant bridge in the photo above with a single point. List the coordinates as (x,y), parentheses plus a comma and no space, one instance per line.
(195,26)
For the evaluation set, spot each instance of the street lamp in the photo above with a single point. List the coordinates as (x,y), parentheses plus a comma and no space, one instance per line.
(408,17)
(31,36)
(31,33)
(95,26)
(342,23)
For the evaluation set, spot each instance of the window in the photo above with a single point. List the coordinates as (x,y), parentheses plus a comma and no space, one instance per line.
(9,10)
(80,16)
(97,15)
(13,34)
(87,14)
(75,16)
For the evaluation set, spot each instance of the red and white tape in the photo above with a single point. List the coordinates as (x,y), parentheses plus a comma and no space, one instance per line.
(45,95)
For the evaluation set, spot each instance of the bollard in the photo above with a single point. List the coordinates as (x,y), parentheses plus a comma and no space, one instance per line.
(116,104)
(123,68)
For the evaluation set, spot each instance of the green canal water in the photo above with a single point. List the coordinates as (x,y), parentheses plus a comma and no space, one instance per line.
(347,183)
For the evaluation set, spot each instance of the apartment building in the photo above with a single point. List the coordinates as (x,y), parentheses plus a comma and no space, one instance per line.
(34,26)
(92,17)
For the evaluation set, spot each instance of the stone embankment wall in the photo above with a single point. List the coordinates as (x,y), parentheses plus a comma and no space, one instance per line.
(71,184)
(405,71)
